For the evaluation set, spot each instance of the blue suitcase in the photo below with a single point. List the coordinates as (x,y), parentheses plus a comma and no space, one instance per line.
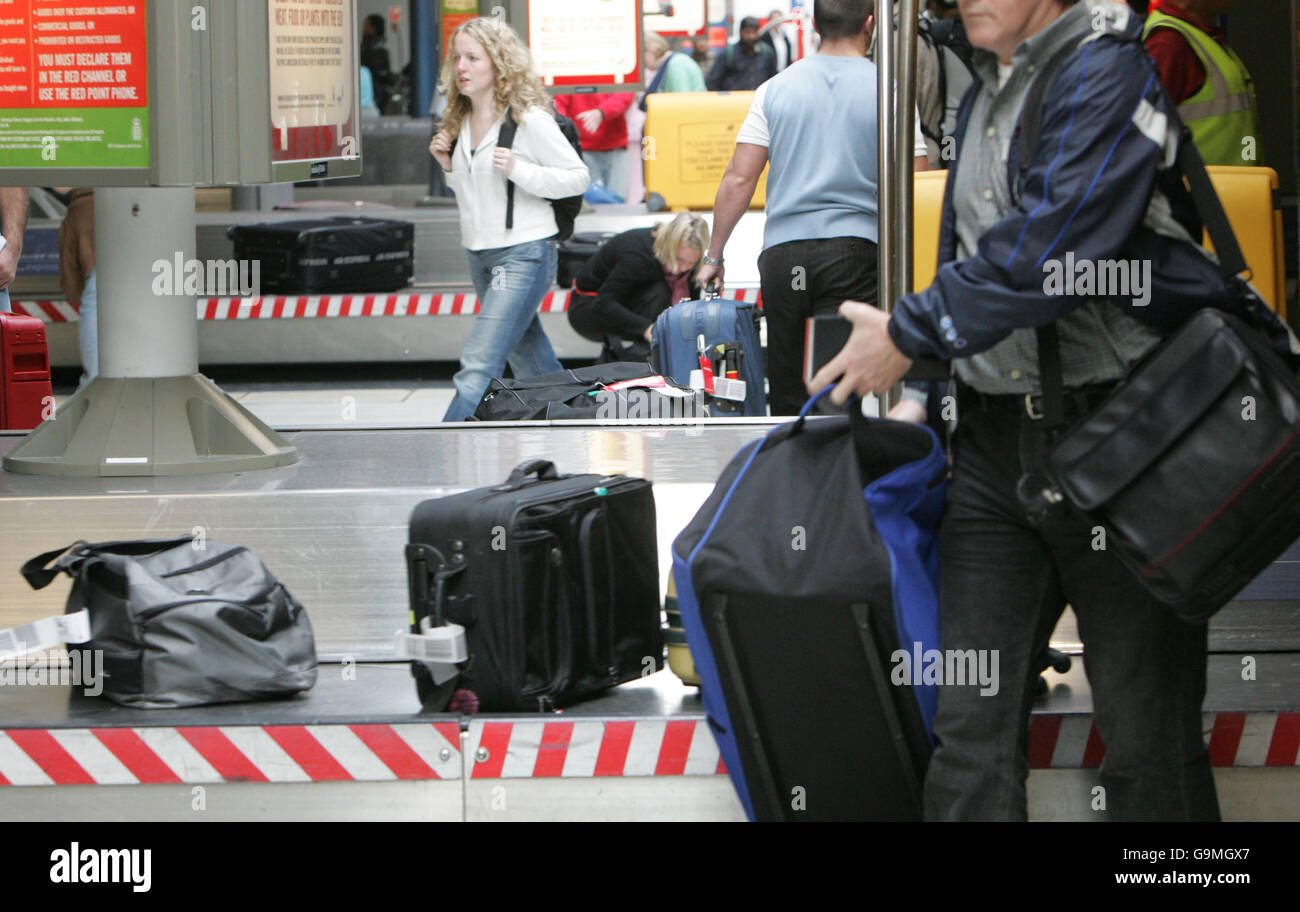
(808,588)
(675,351)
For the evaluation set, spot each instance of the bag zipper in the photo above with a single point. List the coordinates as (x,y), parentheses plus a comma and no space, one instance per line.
(203,565)
(264,595)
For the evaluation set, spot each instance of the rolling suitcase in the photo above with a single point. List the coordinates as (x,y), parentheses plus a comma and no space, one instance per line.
(675,344)
(808,588)
(26,396)
(554,580)
(333,255)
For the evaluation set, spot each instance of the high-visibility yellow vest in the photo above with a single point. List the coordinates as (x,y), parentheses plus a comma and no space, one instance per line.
(1221,114)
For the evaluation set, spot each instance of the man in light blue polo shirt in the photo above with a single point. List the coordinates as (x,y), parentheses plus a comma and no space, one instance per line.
(13,225)
(816,123)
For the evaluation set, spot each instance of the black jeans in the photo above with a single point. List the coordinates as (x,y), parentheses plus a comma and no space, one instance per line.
(802,279)
(1005,578)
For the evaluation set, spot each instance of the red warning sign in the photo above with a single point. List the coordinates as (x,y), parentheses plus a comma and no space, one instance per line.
(57,55)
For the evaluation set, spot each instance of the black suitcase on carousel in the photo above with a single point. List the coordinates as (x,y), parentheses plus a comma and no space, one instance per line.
(574,254)
(331,255)
(555,580)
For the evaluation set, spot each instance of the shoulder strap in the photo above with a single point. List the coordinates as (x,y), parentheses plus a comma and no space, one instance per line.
(505,140)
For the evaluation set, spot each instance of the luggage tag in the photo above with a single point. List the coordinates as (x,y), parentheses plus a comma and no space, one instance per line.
(657,382)
(45,634)
(440,649)
(727,383)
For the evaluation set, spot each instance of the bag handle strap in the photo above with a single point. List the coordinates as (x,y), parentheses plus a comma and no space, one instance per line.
(39,575)
(544,469)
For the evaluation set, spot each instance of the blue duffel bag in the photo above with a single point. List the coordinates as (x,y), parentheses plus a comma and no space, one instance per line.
(808,589)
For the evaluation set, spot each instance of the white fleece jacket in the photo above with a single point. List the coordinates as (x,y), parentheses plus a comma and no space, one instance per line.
(546,168)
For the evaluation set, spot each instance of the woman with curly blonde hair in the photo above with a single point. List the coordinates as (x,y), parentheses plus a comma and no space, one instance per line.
(487,74)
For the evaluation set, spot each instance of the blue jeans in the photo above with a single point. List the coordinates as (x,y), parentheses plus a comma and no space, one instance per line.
(88,330)
(510,282)
(4,301)
(609,169)
(1005,577)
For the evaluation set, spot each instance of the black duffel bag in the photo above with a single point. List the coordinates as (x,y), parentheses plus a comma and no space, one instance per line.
(601,392)
(184,623)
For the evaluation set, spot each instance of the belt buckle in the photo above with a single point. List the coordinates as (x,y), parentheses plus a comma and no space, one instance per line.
(1034,413)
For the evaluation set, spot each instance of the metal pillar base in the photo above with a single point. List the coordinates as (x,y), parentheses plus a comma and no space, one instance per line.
(150,426)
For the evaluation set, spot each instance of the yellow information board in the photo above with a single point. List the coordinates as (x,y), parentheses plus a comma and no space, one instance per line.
(689,138)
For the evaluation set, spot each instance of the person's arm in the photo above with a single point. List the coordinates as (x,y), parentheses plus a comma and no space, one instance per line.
(563,173)
(1180,68)
(920,153)
(623,283)
(77,243)
(615,104)
(13,226)
(736,190)
(1104,133)
(732,201)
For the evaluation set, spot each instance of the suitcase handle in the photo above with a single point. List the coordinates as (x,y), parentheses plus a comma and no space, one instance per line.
(544,469)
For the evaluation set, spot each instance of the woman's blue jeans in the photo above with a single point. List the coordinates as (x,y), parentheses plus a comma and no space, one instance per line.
(510,282)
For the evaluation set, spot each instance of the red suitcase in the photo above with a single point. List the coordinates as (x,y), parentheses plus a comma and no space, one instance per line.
(26,396)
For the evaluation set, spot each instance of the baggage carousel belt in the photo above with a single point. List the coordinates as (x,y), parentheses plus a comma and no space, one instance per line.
(384,693)
(333,526)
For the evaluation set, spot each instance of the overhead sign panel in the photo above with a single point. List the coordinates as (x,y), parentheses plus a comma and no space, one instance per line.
(688,19)
(313,77)
(586,42)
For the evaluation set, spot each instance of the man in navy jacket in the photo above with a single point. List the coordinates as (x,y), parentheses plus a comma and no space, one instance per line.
(1095,191)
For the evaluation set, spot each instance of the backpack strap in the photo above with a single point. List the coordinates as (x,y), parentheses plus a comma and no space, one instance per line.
(505,140)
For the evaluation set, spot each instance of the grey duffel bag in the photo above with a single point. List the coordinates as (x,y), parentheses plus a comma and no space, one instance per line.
(184,622)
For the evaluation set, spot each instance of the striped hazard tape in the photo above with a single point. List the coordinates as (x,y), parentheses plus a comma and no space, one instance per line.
(330,306)
(520,749)
(217,754)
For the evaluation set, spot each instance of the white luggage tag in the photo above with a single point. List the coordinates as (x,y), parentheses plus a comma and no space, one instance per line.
(45,634)
(439,648)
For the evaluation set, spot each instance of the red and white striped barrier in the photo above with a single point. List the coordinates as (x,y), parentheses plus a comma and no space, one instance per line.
(1233,739)
(556,747)
(240,753)
(330,306)
(582,749)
